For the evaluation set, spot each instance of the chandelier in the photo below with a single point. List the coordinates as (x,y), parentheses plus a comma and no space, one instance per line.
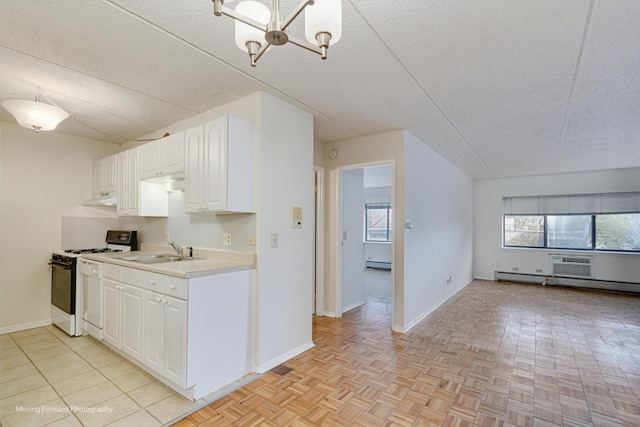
(258,28)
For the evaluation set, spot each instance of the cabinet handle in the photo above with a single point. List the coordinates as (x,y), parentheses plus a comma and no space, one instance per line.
(152,282)
(173,287)
(158,299)
(164,301)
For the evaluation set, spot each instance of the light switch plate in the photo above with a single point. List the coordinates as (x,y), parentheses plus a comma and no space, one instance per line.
(274,240)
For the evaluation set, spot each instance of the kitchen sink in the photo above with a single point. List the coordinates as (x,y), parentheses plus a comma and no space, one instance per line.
(156,258)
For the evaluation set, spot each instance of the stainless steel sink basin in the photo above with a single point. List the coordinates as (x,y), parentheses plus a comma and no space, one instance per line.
(156,258)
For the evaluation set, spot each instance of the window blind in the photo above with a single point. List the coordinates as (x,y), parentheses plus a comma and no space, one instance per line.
(573,204)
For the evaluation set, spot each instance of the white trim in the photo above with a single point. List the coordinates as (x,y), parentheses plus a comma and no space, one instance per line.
(352,306)
(319,243)
(25,326)
(422,316)
(284,357)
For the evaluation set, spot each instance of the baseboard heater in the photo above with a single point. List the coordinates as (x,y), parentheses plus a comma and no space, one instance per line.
(539,279)
(378,264)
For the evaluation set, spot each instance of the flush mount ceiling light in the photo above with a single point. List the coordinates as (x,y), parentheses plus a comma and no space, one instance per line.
(258,28)
(35,114)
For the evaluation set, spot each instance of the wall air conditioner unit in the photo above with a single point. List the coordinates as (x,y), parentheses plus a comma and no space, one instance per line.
(572,266)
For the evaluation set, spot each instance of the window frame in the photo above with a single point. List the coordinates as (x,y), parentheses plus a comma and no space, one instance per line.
(389,228)
(546,246)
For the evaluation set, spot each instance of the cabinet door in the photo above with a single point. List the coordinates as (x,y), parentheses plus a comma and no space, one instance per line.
(121,166)
(109,183)
(132,182)
(172,154)
(154,331)
(132,309)
(194,147)
(175,340)
(98,176)
(149,160)
(215,164)
(111,312)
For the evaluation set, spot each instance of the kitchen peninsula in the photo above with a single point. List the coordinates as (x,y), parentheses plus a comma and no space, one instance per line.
(188,322)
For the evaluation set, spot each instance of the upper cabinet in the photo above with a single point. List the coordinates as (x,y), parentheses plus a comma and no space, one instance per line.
(161,160)
(135,197)
(104,175)
(221,167)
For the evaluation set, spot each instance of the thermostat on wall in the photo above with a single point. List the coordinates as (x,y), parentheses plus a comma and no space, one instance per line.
(296,217)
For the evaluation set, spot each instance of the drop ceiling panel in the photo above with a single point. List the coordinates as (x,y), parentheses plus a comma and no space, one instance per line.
(602,124)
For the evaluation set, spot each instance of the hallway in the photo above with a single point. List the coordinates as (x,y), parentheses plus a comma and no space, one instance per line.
(495,354)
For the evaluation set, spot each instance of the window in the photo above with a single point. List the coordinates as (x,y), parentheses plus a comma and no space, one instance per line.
(618,232)
(524,231)
(569,231)
(378,222)
(596,222)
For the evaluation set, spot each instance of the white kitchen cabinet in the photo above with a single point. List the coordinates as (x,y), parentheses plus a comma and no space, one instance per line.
(165,333)
(196,334)
(163,159)
(135,197)
(220,166)
(111,312)
(124,317)
(128,188)
(104,176)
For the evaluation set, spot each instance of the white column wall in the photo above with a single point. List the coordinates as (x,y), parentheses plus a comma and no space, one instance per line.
(438,200)
(284,274)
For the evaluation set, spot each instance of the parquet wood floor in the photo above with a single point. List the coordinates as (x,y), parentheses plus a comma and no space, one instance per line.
(497,354)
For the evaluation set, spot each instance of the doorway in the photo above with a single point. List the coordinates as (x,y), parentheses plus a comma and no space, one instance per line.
(362,241)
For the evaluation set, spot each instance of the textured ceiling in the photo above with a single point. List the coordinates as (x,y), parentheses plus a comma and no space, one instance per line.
(498,87)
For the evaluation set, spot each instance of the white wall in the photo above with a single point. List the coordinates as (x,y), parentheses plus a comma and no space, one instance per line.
(43,178)
(284,274)
(352,246)
(488,194)
(375,149)
(438,200)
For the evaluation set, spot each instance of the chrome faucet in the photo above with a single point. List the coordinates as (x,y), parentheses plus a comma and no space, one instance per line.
(177,247)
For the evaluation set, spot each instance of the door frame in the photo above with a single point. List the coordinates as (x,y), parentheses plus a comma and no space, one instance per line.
(339,226)
(318,278)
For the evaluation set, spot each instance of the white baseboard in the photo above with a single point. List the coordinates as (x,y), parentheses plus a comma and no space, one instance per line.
(491,279)
(284,357)
(352,306)
(424,314)
(24,326)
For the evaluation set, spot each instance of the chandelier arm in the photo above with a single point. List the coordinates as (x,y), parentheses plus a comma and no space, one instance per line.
(305,45)
(242,18)
(295,13)
(262,51)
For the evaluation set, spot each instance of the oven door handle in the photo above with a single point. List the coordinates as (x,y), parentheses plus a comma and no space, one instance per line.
(53,264)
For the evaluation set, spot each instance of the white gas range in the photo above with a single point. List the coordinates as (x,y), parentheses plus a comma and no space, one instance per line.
(70,297)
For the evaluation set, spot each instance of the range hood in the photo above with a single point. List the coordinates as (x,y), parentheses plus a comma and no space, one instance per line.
(109,199)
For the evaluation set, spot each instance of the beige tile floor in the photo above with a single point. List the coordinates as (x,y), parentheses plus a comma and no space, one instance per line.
(49,378)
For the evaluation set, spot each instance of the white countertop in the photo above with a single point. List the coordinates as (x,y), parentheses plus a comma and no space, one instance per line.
(211,261)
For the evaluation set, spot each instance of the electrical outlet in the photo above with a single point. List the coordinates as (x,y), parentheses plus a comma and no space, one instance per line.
(515,268)
(251,241)
(226,239)
(165,236)
(538,270)
(274,240)
(449,280)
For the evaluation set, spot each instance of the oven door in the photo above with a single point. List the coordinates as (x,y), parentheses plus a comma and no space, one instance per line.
(63,288)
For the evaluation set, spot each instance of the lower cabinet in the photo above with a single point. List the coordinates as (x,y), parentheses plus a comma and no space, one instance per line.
(196,333)
(123,317)
(165,336)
